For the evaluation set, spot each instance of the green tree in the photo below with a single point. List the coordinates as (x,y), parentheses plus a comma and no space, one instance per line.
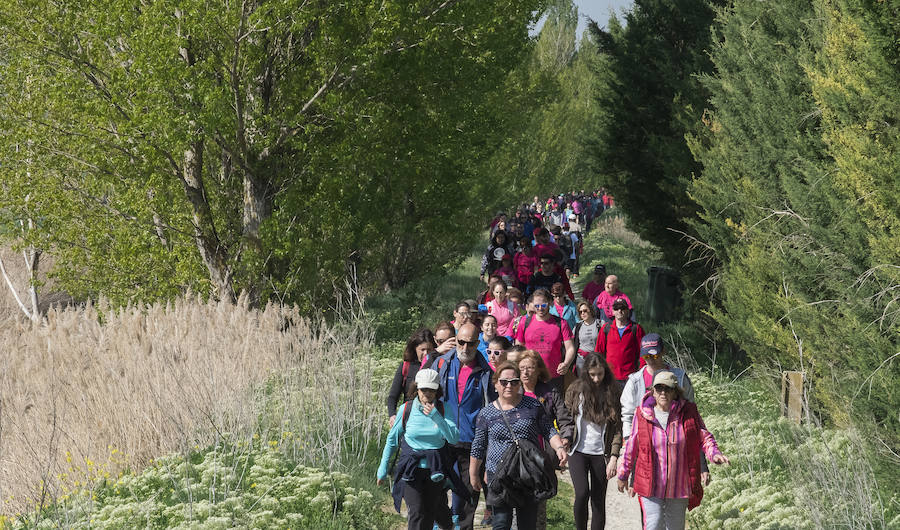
(551,111)
(180,145)
(796,224)
(650,99)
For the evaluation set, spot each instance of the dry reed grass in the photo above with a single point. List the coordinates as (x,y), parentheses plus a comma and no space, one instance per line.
(91,384)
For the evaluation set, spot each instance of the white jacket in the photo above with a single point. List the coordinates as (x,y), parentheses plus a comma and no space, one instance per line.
(634,391)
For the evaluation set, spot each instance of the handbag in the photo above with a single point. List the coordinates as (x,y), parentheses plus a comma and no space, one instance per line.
(524,474)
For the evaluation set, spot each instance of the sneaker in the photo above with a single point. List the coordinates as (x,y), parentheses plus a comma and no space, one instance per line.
(455,522)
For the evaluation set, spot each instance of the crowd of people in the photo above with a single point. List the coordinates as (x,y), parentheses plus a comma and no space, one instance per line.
(527,363)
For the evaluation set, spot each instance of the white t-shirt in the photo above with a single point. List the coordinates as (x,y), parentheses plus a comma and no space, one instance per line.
(591,437)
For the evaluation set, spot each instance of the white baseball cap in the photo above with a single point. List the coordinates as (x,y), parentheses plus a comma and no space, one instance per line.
(427,378)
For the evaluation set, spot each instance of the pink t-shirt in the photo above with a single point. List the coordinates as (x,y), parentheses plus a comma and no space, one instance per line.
(605,301)
(464,372)
(505,317)
(547,339)
(591,291)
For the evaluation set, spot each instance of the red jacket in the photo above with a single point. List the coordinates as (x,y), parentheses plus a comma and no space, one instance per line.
(686,418)
(621,353)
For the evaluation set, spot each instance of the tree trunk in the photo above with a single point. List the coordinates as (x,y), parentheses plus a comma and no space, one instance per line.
(212,250)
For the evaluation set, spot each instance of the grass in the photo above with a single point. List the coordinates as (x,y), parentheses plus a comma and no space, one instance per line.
(204,415)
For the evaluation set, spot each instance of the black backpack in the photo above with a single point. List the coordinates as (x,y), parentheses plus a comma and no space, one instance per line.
(525,472)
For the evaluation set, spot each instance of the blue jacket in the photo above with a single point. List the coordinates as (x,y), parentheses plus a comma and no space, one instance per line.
(478,392)
(570,313)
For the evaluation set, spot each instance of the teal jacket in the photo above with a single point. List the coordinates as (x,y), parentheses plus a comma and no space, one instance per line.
(570,313)
(422,432)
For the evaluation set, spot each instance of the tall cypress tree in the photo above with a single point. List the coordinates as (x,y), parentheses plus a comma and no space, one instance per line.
(650,99)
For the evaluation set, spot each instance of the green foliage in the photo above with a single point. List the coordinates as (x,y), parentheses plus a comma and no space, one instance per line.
(798,202)
(224,486)
(549,104)
(650,99)
(277,148)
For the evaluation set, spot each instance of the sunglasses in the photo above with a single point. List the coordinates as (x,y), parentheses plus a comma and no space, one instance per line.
(653,356)
(495,352)
(663,388)
(509,382)
(620,309)
(584,310)
(467,342)
(541,306)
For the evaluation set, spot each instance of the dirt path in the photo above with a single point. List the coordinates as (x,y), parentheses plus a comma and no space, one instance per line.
(622,511)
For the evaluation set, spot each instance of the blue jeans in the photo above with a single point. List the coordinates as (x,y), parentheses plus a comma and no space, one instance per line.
(526,517)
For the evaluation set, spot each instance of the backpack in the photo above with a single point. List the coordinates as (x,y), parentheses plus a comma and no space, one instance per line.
(525,472)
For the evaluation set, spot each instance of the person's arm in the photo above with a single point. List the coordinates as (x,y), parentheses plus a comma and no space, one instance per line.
(709,445)
(570,357)
(615,448)
(564,421)
(448,429)
(394,393)
(626,461)
(390,445)
(478,451)
(628,407)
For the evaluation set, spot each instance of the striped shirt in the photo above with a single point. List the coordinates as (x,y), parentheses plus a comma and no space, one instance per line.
(670,471)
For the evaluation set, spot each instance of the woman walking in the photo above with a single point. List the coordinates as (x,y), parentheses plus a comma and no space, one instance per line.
(663,451)
(526,420)
(422,432)
(585,334)
(593,399)
(418,353)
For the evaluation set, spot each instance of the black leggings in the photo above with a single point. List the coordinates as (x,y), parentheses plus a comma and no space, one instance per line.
(580,466)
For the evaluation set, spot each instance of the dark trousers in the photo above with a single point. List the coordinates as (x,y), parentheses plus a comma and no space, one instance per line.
(465,508)
(588,474)
(426,502)
(526,516)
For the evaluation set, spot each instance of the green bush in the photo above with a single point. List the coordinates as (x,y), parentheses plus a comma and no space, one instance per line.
(224,486)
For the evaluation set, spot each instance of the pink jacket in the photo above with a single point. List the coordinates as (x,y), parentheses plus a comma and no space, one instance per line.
(670,475)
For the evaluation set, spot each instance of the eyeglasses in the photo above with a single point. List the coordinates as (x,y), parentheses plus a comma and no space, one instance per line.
(653,356)
(467,342)
(495,352)
(509,382)
(663,388)
(620,309)
(584,310)
(541,306)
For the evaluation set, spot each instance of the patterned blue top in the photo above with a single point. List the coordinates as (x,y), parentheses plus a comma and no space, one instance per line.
(492,436)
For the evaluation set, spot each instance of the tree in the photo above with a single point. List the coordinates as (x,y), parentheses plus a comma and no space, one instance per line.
(189,146)
(797,200)
(650,99)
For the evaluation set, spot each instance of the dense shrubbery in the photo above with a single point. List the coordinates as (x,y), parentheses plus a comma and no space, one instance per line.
(225,486)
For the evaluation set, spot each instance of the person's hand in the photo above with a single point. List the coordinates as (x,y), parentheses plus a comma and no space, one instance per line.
(427,408)
(393,418)
(563,456)
(447,345)
(621,485)
(611,468)
(379,481)
(704,478)
(566,443)
(562,369)
(720,459)
(474,479)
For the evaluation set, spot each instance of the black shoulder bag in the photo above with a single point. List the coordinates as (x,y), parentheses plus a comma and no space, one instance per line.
(525,473)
